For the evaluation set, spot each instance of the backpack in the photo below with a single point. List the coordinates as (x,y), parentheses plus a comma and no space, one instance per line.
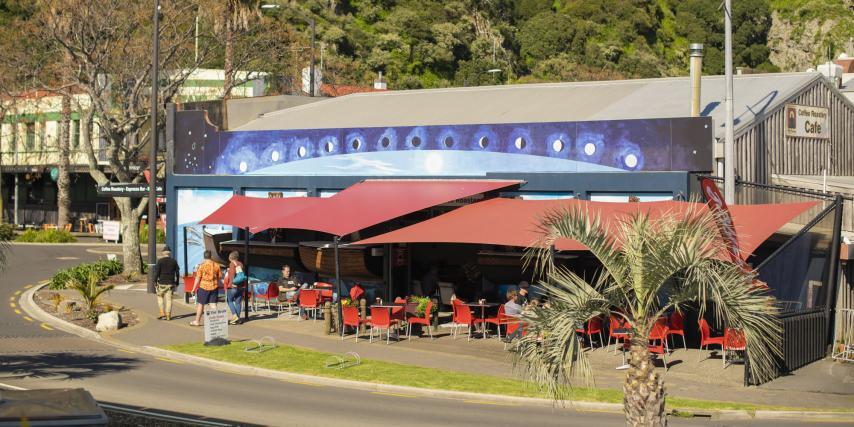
(239,276)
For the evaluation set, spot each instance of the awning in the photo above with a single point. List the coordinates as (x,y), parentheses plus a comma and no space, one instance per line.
(513,222)
(242,211)
(374,201)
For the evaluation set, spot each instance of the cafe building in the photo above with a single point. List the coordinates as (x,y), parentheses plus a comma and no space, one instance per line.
(389,161)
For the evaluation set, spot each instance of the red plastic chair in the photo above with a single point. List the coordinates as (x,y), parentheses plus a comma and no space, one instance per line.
(706,337)
(189,282)
(658,335)
(272,294)
(677,327)
(616,322)
(424,321)
(399,313)
(356,292)
(381,319)
(309,300)
(463,317)
(594,326)
(351,318)
(733,341)
(500,319)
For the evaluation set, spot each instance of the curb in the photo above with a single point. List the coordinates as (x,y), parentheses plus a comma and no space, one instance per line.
(29,305)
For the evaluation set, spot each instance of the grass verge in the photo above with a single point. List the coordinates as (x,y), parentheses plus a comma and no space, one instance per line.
(305,361)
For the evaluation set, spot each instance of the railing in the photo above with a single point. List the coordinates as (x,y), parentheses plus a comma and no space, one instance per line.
(804,341)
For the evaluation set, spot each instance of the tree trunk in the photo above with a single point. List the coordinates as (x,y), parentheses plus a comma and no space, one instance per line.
(644,389)
(63,182)
(228,70)
(132,257)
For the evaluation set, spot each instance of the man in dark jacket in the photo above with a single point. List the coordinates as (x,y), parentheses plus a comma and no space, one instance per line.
(167,273)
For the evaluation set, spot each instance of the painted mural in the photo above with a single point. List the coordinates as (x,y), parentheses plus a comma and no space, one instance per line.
(621,145)
(194,205)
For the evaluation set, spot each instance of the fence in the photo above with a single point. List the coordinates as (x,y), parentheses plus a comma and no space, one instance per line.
(843,346)
(804,341)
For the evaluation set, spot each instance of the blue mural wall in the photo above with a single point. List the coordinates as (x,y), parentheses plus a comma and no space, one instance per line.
(683,144)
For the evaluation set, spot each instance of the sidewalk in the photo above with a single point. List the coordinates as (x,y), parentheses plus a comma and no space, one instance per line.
(824,384)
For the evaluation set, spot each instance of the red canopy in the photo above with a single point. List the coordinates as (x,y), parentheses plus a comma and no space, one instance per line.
(242,211)
(513,222)
(371,202)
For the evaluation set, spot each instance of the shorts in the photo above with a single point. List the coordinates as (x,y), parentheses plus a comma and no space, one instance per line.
(204,296)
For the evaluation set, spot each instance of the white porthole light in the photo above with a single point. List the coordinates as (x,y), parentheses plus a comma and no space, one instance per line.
(243,166)
(557,145)
(483,142)
(590,148)
(301,152)
(520,143)
(631,160)
(275,156)
(329,147)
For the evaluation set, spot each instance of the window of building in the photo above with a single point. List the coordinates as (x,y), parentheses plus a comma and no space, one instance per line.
(43,135)
(30,142)
(75,134)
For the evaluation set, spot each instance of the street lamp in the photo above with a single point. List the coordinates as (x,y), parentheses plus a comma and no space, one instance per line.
(152,161)
(494,72)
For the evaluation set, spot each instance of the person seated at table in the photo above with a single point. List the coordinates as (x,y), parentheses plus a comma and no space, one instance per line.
(512,306)
(523,295)
(288,284)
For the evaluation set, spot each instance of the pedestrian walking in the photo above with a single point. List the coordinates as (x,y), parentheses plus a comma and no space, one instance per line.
(166,274)
(235,286)
(206,286)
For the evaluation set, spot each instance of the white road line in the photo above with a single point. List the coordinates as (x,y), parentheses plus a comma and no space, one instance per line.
(10,386)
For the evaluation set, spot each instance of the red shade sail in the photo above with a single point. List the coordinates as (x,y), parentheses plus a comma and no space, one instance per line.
(513,222)
(242,211)
(371,202)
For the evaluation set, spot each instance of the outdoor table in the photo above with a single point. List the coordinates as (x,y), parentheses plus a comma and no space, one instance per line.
(627,332)
(483,333)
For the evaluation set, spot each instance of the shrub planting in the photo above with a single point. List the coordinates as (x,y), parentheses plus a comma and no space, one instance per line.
(81,273)
(45,236)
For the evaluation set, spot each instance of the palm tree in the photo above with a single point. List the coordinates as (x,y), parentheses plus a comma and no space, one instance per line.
(648,267)
(90,290)
(236,17)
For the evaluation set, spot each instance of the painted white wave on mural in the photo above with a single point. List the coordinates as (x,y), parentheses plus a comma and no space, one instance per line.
(429,162)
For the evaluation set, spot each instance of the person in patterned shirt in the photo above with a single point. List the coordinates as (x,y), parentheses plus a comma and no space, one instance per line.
(206,287)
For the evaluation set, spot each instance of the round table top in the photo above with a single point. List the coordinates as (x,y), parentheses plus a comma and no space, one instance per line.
(486,304)
(388,305)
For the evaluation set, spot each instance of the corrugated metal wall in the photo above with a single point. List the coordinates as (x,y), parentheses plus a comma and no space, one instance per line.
(844,297)
(764,149)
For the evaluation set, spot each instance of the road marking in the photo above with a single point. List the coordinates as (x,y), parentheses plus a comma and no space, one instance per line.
(229,372)
(12,299)
(46,326)
(303,383)
(18,292)
(127,351)
(28,318)
(28,286)
(12,304)
(486,402)
(170,360)
(382,393)
(67,258)
(18,311)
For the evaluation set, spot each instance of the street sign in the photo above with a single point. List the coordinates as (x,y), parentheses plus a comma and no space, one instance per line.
(803,121)
(216,324)
(127,190)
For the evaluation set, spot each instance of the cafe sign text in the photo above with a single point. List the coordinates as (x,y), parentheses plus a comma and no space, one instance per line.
(803,121)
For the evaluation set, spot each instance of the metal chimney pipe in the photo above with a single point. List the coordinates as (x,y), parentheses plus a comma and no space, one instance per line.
(696,50)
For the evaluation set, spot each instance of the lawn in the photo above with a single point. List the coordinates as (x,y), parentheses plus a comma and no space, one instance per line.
(304,361)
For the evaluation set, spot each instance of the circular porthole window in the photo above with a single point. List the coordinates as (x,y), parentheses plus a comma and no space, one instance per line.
(631,160)
(329,147)
(449,142)
(416,141)
(557,145)
(275,156)
(590,148)
(356,144)
(301,152)
(483,142)
(520,143)
(385,142)
(243,166)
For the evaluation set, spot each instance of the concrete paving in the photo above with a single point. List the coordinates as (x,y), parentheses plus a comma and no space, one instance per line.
(824,384)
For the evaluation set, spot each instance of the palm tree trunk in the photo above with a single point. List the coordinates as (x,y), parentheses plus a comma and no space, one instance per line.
(63,181)
(228,67)
(644,389)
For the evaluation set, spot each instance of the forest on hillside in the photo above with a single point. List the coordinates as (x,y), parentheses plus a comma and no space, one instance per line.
(440,43)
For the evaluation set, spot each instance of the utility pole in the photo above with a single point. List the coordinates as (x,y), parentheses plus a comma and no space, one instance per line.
(729,149)
(152,161)
(311,68)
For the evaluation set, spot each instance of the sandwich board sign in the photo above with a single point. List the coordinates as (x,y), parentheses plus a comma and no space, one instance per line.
(216,324)
(111,230)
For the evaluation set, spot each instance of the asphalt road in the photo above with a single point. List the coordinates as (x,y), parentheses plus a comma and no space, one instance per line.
(32,355)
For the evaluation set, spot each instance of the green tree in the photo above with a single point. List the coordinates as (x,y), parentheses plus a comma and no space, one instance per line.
(649,266)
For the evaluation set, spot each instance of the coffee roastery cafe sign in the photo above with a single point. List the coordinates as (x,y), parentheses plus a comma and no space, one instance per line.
(127,190)
(803,121)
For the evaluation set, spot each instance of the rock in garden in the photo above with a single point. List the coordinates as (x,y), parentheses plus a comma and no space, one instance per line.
(109,321)
(67,306)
